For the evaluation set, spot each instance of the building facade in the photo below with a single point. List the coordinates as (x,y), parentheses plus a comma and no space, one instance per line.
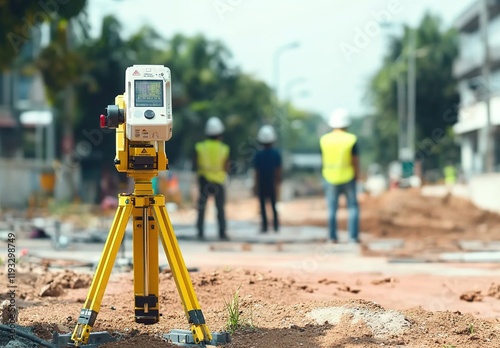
(21,90)
(22,142)
(473,89)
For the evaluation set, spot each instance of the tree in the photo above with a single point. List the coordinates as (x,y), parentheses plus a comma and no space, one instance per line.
(436,96)
(20,21)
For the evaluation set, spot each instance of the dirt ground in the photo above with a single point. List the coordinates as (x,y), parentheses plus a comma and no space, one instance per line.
(276,311)
(318,309)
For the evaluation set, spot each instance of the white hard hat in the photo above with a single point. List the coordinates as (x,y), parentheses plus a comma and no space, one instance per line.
(339,119)
(214,126)
(266,135)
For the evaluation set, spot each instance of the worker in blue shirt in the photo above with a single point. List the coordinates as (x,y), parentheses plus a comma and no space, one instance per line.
(267,175)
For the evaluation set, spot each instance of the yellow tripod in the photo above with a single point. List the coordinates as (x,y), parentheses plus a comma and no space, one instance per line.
(141,160)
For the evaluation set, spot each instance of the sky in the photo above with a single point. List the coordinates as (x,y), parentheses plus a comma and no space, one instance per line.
(339,43)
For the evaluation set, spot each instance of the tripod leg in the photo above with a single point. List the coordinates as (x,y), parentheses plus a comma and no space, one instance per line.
(195,317)
(146,266)
(92,304)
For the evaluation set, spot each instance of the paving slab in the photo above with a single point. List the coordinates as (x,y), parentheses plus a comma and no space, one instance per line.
(479,245)
(472,257)
(385,244)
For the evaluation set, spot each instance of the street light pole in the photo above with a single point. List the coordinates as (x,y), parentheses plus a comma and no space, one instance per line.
(288,91)
(277,56)
(289,86)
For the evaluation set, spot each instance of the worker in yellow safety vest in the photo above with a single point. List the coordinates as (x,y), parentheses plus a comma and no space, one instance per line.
(450,174)
(340,168)
(211,164)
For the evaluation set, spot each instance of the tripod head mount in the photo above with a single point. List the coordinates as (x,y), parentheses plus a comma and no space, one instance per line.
(142,117)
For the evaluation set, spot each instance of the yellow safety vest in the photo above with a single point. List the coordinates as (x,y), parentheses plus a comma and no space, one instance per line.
(336,150)
(212,156)
(450,175)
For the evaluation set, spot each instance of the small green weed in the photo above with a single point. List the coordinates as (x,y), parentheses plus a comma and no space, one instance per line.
(235,318)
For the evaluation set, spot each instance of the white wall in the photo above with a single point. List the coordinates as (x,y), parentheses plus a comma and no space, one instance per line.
(484,191)
(474,116)
(470,47)
(19,179)
(467,154)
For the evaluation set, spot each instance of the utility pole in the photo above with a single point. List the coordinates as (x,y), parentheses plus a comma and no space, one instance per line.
(401,91)
(412,82)
(69,191)
(489,148)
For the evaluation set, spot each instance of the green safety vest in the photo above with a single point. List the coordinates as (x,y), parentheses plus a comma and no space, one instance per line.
(212,156)
(336,150)
(450,174)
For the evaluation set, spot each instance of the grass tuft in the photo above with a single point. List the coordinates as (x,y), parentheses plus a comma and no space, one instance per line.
(235,319)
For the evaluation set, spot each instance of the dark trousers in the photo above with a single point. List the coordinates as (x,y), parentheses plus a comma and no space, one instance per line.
(208,189)
(266,194)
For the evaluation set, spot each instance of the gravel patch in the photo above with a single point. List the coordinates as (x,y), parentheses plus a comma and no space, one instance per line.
(383,323)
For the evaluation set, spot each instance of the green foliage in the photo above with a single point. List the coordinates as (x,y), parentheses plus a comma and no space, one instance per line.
(436,98)
(19,21)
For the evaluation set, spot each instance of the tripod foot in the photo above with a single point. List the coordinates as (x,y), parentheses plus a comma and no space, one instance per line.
(184,338)
(95,339)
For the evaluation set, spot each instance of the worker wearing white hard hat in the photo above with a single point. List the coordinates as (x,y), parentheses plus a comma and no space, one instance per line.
(211,164)
(340,168)
(267,164)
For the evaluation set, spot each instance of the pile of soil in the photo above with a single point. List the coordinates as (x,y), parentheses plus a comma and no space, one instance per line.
(428,225)
(409,214)
(33,282)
